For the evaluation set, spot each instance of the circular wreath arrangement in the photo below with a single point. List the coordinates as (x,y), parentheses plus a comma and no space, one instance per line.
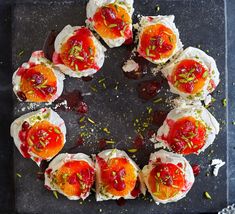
(188,129)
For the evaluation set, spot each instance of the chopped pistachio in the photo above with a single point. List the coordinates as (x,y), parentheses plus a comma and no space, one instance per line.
(21,53)
(157,100)
(106,130)
(18,175)
(57,131)
(55,194)
(224,101)
(132,150)
(90,120)
(207,195)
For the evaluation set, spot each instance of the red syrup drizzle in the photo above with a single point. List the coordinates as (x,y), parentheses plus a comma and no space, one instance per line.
(196,169)
(48,46)
(79,142)
(22,135)
(121,201)
(158,117)
(139,142)
(102,144)
(74,101)
(87,79)
(140,72)
(148,89)
(42,169)
(136,191)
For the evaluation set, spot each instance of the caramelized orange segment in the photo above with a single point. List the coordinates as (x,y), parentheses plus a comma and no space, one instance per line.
(166,180)
(118,176)
(38,83)
(189,76)
(45,139)
(187,135)
(78,53)
(75,178)
(112,21)
(157,42)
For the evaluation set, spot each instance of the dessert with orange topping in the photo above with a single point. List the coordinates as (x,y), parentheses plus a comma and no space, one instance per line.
(72,175)
(168,176)
(188,129)
(112,20)
(77,52)
(158,38)
(39,135)
(37,80)
(117,176)
(192,75)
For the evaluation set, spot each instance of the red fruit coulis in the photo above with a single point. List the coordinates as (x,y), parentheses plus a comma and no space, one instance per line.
(75,101)
(148,89)
(189,76)
(186,135)
(158,117)
(196,169)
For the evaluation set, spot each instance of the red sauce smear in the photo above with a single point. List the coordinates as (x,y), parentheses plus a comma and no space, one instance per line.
(75,101)
(79,142)
(158,117)
(148,89)
(196,169)
(189,76)
(121,201)
(186,135)
(139,142)
(78,53)
(157,42)
(166,180)
(112,21)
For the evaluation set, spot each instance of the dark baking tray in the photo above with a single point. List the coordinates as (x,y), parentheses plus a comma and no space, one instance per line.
(200,23)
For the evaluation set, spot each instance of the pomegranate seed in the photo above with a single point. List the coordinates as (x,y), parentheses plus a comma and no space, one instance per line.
(21,96)
(25,126)
(49,90)
(108,13)
(178,146)
(102,144)
(72,179)
(82,108)
(119,185)
(22,136)
(37,78)
(196,169)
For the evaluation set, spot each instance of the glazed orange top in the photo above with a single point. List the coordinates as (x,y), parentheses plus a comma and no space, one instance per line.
(37,84)
(112,21)
(186,135)
(166,180)
(75,177)
(118,176)
(78,52)
(43,139)
(189,76)
(157,42)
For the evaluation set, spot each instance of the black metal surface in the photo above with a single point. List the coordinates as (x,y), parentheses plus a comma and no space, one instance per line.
(30,24)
